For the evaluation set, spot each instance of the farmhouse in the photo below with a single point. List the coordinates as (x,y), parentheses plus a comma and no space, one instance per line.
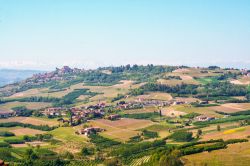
(114,117)
(203,102)
(140,103)
(6,114)
(203,118)
(2,163)
(90,130)
(178,102)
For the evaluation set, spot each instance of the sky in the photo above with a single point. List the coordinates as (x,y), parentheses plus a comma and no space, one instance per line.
(44,34)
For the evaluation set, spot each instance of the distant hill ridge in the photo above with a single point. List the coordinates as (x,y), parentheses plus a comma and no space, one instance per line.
(9,76)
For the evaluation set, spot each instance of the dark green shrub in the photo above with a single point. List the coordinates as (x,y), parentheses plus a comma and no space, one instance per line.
(6,134)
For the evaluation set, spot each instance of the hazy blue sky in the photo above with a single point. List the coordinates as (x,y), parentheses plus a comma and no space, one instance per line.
(43,34)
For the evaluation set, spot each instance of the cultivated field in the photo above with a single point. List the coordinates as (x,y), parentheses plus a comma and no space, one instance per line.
(177,82)
(31,120)
(213,128)
(170,112)
(235,133)
(208,111)
(70,141)
(242,81)
(235,154)
(232,107)
(26,131)
(155,96)
(141,110)
(122,129)
(29,105)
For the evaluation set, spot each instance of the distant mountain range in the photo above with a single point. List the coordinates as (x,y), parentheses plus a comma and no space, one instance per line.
(8,76)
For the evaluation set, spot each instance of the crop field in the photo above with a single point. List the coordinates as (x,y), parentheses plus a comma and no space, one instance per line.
(170,112)
(122,129)
(232,107)
(26,131)
(177,82)
(208,111)
(28,93)
(31,120)
(194,72)
(161,129)
(242,81)
(213,128)
(29,105)
(140,161)
(235,133)
(140,110)
(109,92)
(70,141)
(152,96)
(187,99)
(235,154)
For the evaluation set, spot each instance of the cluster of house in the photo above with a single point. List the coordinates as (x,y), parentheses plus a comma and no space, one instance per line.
(54,111)
(77,113)
(113,117)
(140,103)
(7,114)
(54,75)
(245,72)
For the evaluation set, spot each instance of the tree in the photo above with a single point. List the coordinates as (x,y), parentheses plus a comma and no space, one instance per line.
(218,128)
(199,133)
(87,151)
(30,154)
(171,159)
(112,162)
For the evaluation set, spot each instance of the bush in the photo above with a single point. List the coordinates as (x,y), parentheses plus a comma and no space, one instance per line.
(87,151)
(6,134)
(4,145)
(15,124)
(102,142)
(14,141)
(148,115)
(233,141)
(149,134)
(5,155)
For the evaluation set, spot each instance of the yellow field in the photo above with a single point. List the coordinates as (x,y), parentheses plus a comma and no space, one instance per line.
(122,129)
(235,154)
(234,130)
